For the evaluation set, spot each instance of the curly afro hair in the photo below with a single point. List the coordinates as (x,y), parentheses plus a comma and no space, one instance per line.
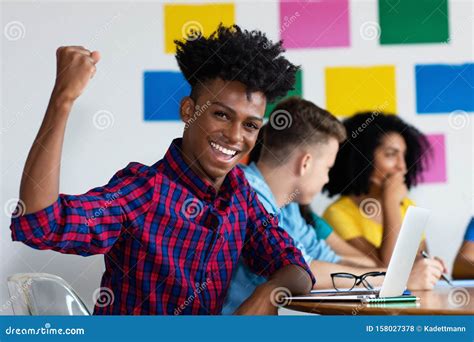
(233,54)
(354,162)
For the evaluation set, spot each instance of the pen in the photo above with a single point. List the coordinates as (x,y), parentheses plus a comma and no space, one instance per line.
(426,256)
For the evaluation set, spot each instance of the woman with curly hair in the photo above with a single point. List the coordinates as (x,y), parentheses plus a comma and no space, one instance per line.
(382,158)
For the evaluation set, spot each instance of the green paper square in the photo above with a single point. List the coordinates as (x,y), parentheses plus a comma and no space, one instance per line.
(298,91)
(413,21)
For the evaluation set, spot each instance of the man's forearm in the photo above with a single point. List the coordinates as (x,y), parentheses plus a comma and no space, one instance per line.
(392,223)
(359,261)
(292,277)
(289,280)
(40,180)
(463,268)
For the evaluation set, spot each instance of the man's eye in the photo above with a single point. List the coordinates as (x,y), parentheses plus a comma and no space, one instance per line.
(252,126)
(221,114)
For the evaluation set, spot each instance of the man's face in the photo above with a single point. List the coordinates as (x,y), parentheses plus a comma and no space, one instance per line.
(323,157)
(221,127)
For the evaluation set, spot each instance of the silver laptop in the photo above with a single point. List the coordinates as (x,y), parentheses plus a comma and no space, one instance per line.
(399,268)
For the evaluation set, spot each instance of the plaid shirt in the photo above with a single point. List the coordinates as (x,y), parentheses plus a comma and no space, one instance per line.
(170,240)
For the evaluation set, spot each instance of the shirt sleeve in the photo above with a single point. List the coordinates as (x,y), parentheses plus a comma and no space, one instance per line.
(469,236)
(342,222)
(267,247)
(323,229)
(316,248)
(90,223)
(305,234)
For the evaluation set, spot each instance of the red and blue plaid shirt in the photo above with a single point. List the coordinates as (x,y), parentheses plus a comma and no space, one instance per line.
(170,240)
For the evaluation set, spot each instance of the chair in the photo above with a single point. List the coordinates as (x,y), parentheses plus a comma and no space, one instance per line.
(43,294)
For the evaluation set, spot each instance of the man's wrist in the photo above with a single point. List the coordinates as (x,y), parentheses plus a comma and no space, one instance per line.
(266,288)
(61,101)
(389,200)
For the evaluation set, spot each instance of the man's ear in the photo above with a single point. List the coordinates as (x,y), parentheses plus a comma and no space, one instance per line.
(186,109)
(304,163)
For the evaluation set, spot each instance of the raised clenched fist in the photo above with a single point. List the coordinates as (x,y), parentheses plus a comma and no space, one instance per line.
(75,67)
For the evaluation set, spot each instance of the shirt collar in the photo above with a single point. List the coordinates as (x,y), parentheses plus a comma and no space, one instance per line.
(259,184)
(181,172)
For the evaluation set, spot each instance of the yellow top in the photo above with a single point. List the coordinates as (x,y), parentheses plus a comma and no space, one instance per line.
(350,221)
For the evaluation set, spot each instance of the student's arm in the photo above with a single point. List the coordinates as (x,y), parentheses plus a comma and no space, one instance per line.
(40,181)
(394,191)
(347,238)
(464,263)
(368,248)
(364,246)
(305,236)
(90,223)
(269,251)
(290,279)
(80,224)
(351,255)
(423,247)
(424,274)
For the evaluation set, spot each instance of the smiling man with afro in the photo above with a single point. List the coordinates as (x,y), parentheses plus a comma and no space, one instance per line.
(173,232)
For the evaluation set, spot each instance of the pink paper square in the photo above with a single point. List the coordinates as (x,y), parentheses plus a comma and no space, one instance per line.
(313,24)
(436,172)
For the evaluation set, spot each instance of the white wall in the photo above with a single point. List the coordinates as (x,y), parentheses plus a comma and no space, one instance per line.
(130,39)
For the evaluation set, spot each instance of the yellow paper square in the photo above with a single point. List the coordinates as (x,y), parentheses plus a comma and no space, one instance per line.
(354,89)
(180,19)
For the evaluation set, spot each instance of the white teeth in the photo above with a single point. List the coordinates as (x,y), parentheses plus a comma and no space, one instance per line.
(223,149)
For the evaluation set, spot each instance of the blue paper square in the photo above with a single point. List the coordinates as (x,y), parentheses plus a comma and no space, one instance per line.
(443,88)
(163,91)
